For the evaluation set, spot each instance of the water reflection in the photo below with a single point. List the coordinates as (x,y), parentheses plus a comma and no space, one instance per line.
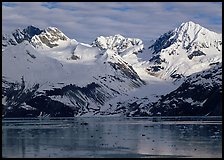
(110,137)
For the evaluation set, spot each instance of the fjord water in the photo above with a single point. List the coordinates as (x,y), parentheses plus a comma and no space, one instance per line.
(112,137)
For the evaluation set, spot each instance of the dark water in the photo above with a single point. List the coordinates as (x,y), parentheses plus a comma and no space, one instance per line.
(112,137)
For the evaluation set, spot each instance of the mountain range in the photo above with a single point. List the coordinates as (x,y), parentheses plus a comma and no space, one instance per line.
(48,74)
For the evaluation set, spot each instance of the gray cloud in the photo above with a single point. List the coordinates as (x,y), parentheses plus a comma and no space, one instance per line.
(84,21)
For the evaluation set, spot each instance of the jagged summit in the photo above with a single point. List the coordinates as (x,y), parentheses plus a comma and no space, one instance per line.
(26,34)
(39,38)
(53,31)
(50,37)
(117,43)
(20,35)
(187,35)
(187,49)
(193,34)
(190,24)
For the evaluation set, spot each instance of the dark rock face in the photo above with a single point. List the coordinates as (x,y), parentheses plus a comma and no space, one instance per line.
(204,102)
(199,95)
(26,34)
(176,76)
(18,36)
(163,42)
(74,57)
(155,68)
(196,53)
(12,42)
(90,91)
(80,97)
(16,94)
(46,41)
(50,107)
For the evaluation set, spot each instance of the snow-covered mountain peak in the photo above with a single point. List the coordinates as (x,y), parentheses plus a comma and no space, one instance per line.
(50,37)
(189,25)
(26,34)
(118,43)
(189,36)
(192,34)
(187,49)
(53,31)
(20,35)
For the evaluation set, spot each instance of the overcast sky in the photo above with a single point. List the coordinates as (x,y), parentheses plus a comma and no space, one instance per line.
(84,21)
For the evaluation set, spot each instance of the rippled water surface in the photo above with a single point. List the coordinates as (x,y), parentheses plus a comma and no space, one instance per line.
(112,137)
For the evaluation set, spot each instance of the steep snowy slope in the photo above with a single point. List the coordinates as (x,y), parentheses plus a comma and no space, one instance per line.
(36,74)
(119,44)
(188,49)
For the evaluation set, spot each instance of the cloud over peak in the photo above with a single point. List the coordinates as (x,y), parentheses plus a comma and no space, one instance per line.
(84,21)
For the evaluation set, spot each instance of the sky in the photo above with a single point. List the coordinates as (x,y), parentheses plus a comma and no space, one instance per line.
(84,21)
